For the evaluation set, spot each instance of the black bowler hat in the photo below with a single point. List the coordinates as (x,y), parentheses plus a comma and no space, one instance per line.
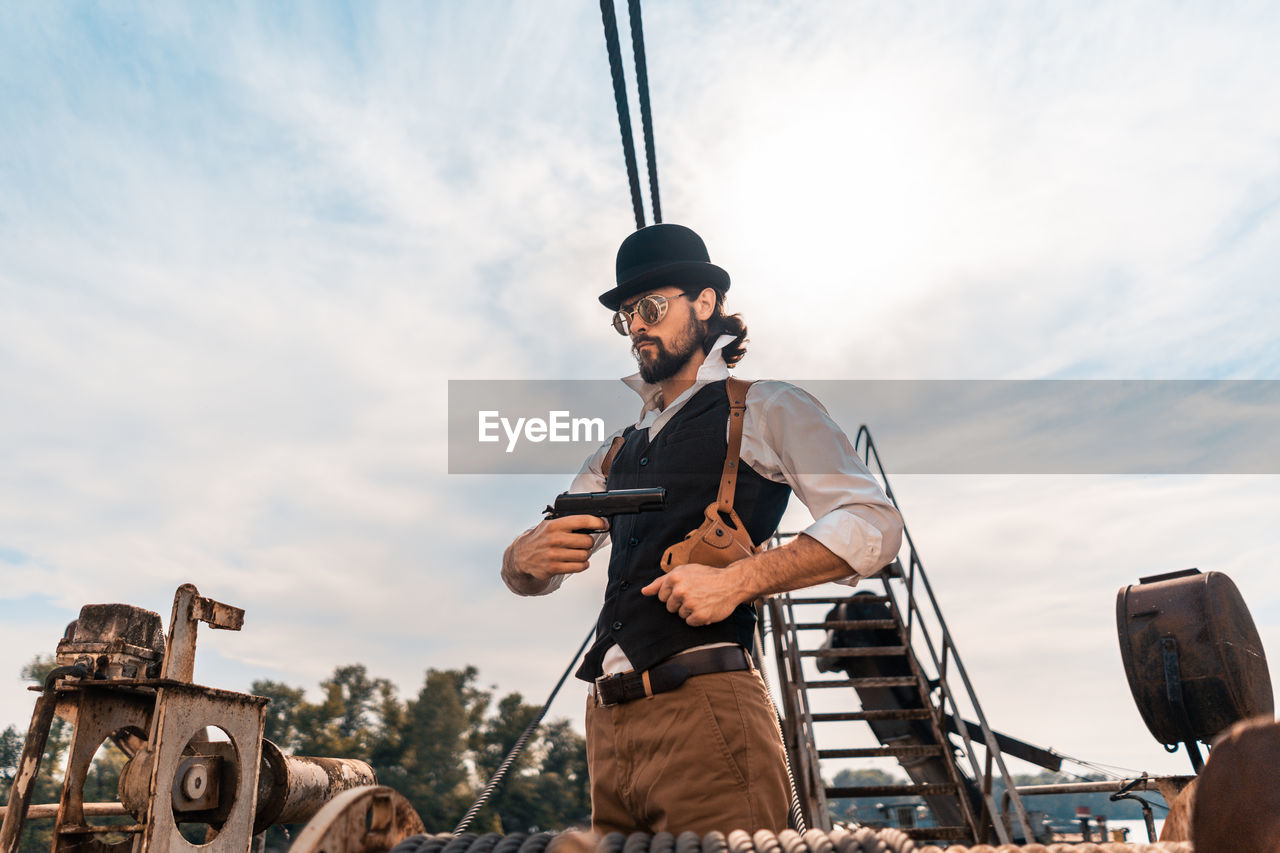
(662,255)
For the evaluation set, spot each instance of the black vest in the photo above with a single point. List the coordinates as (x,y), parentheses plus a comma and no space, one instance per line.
(687,458)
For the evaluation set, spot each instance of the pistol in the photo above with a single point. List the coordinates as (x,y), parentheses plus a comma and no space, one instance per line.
(607,504)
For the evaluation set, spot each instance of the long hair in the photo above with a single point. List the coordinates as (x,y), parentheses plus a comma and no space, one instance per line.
(721,323)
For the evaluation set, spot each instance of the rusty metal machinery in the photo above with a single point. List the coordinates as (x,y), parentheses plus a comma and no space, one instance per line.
(1192,655)
(117,678)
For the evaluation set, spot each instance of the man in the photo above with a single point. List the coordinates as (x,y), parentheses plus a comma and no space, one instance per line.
(681,734)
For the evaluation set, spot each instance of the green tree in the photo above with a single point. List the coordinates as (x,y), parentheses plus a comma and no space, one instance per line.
(546,787)
(282,714)
(435,749)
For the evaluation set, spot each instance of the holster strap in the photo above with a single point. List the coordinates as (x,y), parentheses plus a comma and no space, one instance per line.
(670,674)
(737,392)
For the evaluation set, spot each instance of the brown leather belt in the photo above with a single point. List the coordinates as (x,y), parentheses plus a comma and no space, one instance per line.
(670,674)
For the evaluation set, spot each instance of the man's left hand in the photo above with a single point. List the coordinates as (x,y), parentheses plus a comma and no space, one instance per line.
(698,594)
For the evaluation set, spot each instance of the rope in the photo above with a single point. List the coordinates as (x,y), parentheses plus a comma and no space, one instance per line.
(860,839)
(1059,847)
(498,774)
(646,116)
(620,98)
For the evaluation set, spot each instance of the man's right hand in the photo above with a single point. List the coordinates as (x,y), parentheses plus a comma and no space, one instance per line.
(553,548)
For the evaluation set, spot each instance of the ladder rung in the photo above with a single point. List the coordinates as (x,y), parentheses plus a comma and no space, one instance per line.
(857,652)
(889,790)
(876,751)
(868,599)
(885,681)
(855,625)
(887,714)
(939,833)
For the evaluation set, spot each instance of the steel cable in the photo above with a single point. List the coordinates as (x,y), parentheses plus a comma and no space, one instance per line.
(501,772)
(797,812)
(620,98)
(646,117)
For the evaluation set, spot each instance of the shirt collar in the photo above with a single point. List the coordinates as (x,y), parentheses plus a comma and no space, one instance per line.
(713,369)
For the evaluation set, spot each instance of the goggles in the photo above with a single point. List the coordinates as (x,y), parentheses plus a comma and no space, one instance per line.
(651,310)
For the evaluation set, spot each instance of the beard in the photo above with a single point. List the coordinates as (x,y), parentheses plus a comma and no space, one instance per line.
(665,363)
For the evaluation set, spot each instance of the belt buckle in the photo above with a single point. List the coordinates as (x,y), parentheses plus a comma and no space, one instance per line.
(606,681)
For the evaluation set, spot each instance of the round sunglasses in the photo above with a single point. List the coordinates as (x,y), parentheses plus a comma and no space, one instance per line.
(651,310)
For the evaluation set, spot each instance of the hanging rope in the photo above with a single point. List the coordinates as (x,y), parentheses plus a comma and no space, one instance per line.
(620,98)
(646,116)
(501,772)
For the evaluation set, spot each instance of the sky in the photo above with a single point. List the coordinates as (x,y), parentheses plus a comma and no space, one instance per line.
(245,248)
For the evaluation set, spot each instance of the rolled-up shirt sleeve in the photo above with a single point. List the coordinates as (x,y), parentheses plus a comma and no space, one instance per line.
(789,438)
(590,478)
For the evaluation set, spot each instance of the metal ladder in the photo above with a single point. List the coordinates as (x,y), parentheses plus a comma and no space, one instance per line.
(905,667)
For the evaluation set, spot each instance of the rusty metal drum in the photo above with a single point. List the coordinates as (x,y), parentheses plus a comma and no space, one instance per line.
(1192,655)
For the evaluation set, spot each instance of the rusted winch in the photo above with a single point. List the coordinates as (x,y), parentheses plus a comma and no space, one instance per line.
(117,678)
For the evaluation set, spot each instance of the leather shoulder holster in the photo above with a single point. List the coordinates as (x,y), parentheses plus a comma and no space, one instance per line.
(722,538)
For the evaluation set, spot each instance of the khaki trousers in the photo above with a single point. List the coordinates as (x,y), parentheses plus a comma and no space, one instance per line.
(706,756)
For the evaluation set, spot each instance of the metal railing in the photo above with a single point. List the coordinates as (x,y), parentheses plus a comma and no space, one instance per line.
(913,603)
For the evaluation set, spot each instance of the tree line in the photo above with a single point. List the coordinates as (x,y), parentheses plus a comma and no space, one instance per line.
(437,748)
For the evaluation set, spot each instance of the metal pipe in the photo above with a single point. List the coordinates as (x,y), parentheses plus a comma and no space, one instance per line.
(292,788)
(1081,788)
(46,811)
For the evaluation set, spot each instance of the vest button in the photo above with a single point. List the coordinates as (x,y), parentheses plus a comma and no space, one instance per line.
(617,626)
(633,541)
(644,460)
(624,585)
